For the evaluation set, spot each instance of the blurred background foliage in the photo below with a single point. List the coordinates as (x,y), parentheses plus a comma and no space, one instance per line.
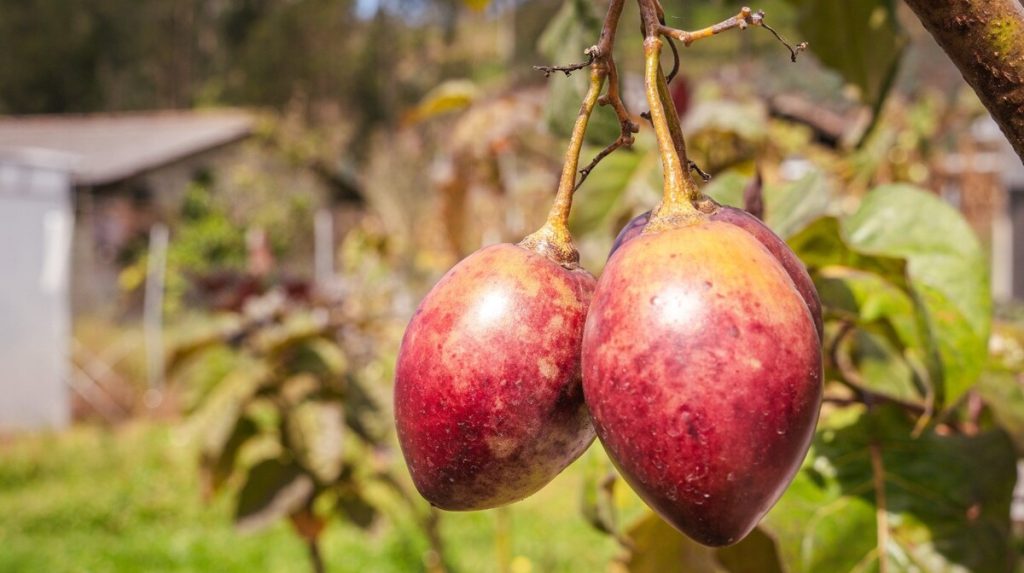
(424,118)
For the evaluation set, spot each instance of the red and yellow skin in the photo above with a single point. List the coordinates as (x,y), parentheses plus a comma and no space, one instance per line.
(702,371)
(751,224)
(488,397)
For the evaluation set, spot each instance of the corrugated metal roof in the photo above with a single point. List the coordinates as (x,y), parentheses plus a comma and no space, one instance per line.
(114,147)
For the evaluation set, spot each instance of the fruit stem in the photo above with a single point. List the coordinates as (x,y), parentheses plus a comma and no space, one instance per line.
(675,130)
(559,214)
(680,190)
(553,238)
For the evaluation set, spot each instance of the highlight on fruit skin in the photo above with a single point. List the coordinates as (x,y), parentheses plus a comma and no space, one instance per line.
(702,370)
(488,396)
(751,224)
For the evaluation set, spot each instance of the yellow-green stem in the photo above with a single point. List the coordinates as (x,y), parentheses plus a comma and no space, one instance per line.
(676,131)
(559,214)
(553,239)
(680,189)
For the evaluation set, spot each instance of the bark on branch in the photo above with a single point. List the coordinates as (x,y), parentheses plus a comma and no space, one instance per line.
(985,39)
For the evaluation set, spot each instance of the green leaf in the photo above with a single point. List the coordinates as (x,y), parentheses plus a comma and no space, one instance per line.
(947,498)
(757,553)
(601,198)
(869,299)
(315,431)
(820,244)
(727,188)
(789,208)
(658,548)
(219,464)
(946,267)
(861,40)
(222,410)
(883,369)
(365,414)
(273,489)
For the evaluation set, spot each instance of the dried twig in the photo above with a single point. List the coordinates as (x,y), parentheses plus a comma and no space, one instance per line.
(692,165)
(745,18)
(591,53)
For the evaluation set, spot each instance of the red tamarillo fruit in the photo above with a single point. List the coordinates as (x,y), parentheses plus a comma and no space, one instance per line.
(702,371)
(488,398)
(751,224)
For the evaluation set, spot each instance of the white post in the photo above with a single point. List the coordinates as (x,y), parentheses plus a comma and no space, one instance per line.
(153,316)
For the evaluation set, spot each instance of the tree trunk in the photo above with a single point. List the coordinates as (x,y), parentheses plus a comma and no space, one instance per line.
(985,39)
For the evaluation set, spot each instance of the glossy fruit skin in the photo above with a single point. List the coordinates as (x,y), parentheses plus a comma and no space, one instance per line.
(775,245)
(702,370)
(488,397)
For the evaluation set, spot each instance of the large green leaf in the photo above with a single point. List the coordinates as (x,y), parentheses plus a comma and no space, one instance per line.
(867,298)
(884,370)
(885,348)
(820,245)
(946,267)
(946,499)
(273,489)
(862,40)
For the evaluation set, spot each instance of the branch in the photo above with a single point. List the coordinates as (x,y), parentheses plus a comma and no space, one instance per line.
(985,39)
(620,141)
(601,57)
(554,239)
(590,52)
(745,18)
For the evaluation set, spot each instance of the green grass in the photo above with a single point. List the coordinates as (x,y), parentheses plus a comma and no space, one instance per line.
(95,500)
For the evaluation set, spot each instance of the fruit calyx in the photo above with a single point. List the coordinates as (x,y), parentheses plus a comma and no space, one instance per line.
(554,242)
(682,213)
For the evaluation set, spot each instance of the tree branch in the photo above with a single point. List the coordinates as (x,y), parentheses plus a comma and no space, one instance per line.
(985,39)
(745,18)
